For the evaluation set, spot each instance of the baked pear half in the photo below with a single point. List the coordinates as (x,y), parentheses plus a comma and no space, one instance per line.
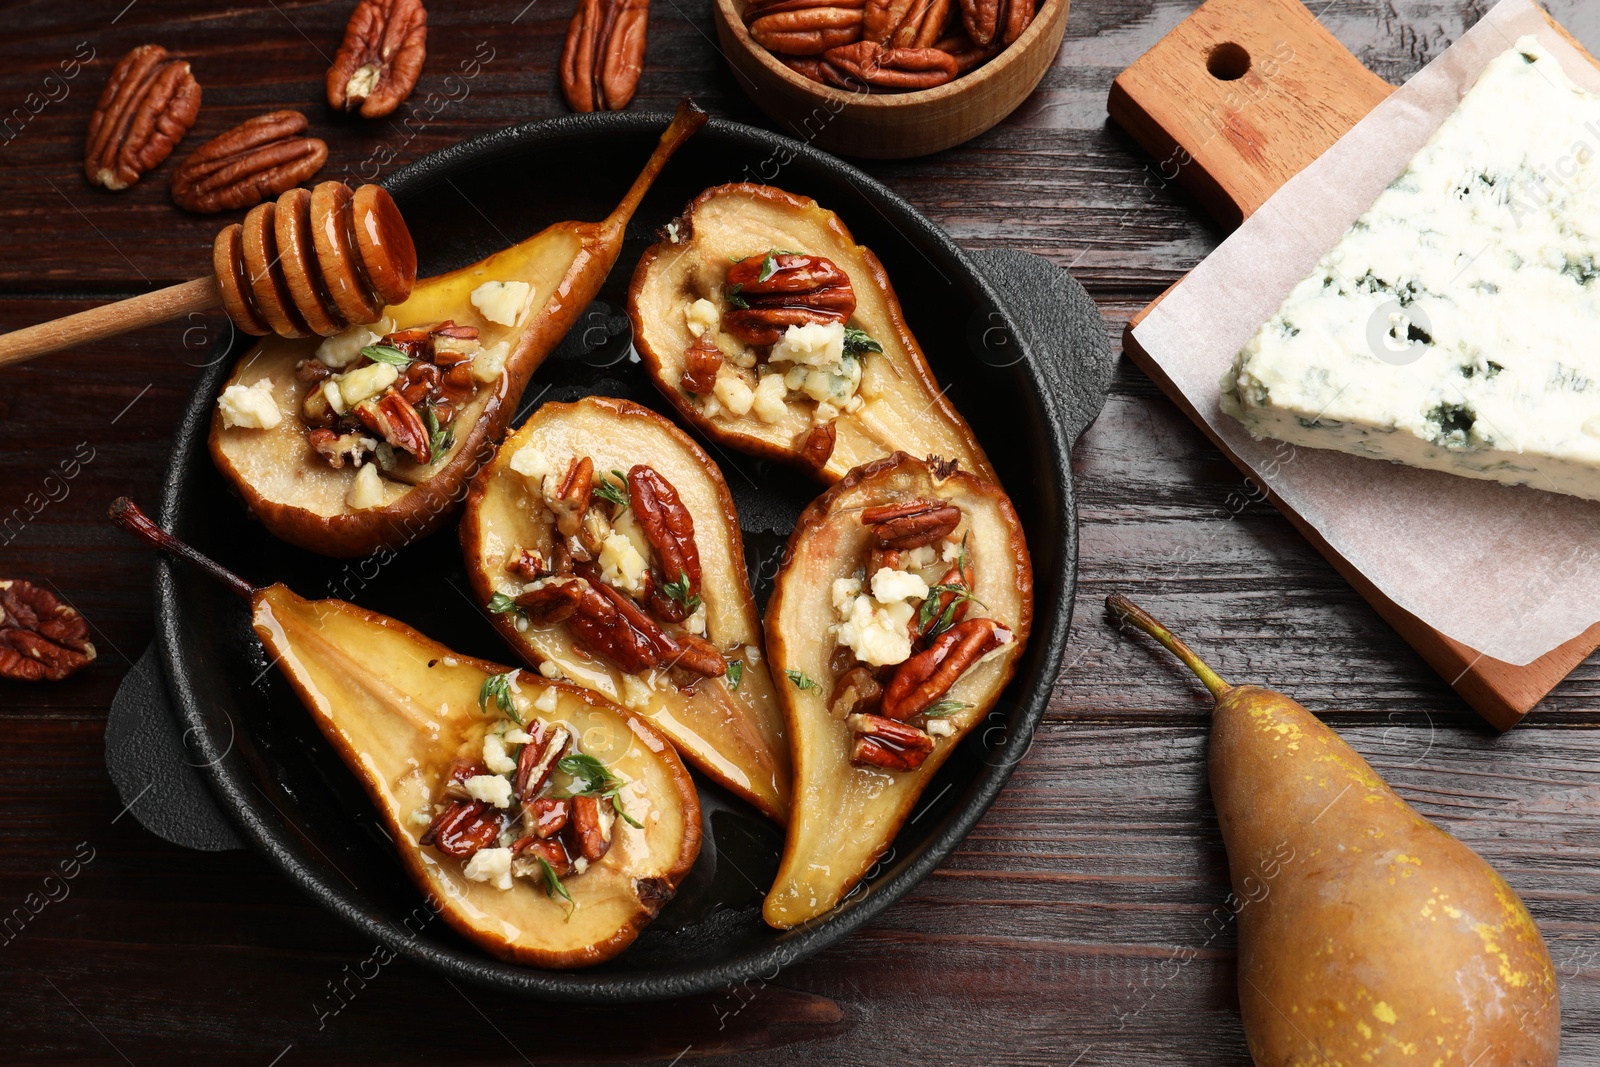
(545,824)
(904,601)
(773,332)
(364,440)
(604,544)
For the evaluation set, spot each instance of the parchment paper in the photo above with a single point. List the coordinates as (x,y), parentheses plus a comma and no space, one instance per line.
(1510,572)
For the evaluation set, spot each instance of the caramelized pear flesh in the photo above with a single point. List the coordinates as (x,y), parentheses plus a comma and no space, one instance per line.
(297,495)
(403,711)
(846,811)
(901,406)
(1366,933)
(730,726)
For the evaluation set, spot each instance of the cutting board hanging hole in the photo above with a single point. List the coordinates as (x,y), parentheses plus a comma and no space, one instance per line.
(1228,62)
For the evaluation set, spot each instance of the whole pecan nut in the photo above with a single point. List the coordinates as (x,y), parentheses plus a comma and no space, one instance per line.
(816,446)
(146,108)
(41,639)
(380,58)
(989,21)
(882,16)
(807,31)
(538,759)
(590,827)
(604,54)
(701,362)
(255,161)
(463,828)
(775,290)
(869,64)
(912,524)
(929,674)
(668,526)
(966,53)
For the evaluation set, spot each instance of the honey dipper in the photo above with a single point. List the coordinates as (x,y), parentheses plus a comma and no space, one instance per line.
(310,263)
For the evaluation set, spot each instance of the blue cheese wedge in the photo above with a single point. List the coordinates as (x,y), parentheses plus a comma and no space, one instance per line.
(1456,326)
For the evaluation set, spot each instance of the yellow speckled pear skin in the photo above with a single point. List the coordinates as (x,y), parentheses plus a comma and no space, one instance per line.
(1367,935)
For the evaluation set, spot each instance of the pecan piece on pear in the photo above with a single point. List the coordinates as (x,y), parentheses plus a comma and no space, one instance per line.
(147,106)
(807,31)
(816,448)
(912,524)
(701,362)
(378,62)
(41,639)
(669,528)
(591,826)
(867,63)
(604,54)
(883,742)
(463,828)
(255,161)
(929,674)
(771,291)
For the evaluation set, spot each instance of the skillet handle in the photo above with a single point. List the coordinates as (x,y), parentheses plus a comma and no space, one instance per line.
(1062,329)
(153,771)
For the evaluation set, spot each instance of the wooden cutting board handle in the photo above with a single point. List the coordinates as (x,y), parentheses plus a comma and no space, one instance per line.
(1240,98)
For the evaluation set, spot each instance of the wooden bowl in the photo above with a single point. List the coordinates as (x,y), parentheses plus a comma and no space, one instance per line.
(891,125)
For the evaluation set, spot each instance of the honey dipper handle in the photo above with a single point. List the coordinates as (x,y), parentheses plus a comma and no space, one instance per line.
(108,320)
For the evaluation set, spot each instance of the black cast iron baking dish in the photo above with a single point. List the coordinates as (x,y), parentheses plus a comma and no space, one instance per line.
(288,792)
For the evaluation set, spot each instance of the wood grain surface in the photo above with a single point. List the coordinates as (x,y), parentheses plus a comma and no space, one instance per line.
(1057,934)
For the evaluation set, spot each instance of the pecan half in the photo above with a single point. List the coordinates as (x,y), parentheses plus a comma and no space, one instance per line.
(962,49)
(912,524)
(929,674)
(885,743)
(982,19)
(924,24)
(701,361)
(551,850)
(538,759)
(669,528)
(254,161)
(591,827)
(396,421)
(604,54)
(41,639)
(463,828)
(783,289)
(817,446)
(805,66)
(380,58)
(869,64)
(555,601)
(572,495)
(625,634)
(547,816)
(147,106)
(809,30)
(1019,15)
(882,16)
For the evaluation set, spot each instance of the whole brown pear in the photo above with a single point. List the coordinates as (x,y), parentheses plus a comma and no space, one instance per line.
(1367,935)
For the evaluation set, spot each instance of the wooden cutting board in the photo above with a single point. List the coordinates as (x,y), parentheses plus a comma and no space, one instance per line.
(1234,102)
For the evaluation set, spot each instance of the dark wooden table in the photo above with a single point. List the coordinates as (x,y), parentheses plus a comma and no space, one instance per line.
(1056,934)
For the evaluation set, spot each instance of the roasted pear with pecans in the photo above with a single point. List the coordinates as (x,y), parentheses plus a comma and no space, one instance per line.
(770,329)
(605,546)
(365,440)
(903,603)
(548,825)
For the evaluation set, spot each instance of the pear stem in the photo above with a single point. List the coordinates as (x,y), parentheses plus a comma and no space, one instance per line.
(126,514)
(1127,611)
(685,122)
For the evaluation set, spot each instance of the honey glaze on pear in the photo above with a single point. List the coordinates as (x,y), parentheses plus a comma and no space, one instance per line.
(769,328)
(903,604)
(548,826)
(1367,934)
(604,545)
(393,471)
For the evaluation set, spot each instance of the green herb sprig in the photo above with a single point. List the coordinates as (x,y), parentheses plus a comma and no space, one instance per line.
(387,354)
(735,674)
(598,781)
(801,681)
(615,492)
(679,591)
(497,687)
(858,343)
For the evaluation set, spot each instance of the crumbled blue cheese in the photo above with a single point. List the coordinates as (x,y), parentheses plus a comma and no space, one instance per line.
(890,585)
(364,383)
(546,702)
(532,464)
(702,315)
(344,347)
(488,364)
(501,302)
(249,406)
(815,344)
(495,756)
(733,393)
(366,491)
(636,691)
(489,788)
(696,623)
(621,564)
(767,402)
(1451,327)
(492,865)
(941,727)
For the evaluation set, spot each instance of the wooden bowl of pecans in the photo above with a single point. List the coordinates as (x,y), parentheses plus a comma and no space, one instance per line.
(889,79)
